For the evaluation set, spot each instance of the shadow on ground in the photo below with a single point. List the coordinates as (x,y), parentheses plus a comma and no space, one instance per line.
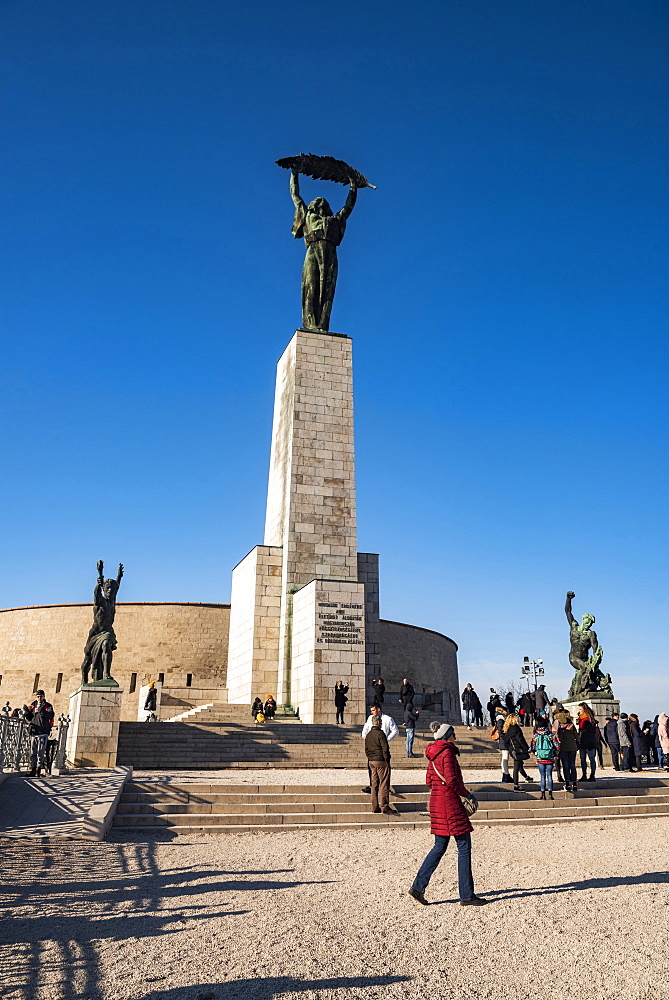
(274,986)
(62,903)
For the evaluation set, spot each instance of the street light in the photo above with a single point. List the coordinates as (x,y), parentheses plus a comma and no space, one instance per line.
(532,668)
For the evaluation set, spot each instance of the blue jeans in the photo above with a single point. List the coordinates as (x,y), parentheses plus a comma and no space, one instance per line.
(428,868)
(469,716)
(546,775)
(410,735)
(568,758)
(589,755)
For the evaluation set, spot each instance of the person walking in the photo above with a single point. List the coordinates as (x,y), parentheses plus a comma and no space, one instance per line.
(340,699)
(410,719)
(478,712)
(510,703)
(448,817)
(540,700)
(388,725)
(639,748)
(518,748)
(625,742)
(468,703)
(406,693)
(503,744)
(546,748)
(612,740)
(494,702)
(567,735)
(378,763)
(40,716)
(587,740)
(663,737)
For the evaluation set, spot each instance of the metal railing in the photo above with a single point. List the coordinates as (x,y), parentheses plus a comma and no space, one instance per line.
(16,742)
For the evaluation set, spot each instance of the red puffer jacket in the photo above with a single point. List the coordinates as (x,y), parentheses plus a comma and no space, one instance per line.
(447,813)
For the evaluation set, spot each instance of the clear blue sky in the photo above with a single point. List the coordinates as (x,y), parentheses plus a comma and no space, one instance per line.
(505,288)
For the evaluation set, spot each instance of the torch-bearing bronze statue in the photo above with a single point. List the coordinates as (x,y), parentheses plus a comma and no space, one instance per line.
(101,641)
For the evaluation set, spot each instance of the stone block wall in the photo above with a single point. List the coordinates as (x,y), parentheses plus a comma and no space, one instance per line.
(175,639)
(328,649)
(428,659)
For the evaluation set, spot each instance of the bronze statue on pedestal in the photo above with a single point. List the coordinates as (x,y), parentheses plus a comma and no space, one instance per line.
(101,641)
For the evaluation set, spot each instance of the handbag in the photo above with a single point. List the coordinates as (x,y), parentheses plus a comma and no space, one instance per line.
(469,802)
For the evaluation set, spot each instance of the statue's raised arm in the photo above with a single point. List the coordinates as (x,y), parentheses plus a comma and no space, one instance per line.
(567,608)
(349,204)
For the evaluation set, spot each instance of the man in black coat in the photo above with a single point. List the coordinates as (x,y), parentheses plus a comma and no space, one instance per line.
(406,693)
(40,715)
(527,705)
(469,699)
(612,741)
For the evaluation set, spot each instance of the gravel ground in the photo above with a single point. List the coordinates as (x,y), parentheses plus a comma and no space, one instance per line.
(581,909)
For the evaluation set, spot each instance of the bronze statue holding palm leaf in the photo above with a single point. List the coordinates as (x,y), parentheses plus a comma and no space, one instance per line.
(322,231)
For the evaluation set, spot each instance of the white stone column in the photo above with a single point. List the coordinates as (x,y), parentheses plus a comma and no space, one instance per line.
(95,714)
(311,496)
(253,646)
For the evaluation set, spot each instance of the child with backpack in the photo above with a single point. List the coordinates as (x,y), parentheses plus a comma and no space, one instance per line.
(546,748)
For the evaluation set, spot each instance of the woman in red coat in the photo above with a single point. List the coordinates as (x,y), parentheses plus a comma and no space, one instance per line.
(448,817)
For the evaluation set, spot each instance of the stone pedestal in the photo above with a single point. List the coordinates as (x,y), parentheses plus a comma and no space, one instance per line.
(310,546)
(600,706)
(327,645)
(95,713)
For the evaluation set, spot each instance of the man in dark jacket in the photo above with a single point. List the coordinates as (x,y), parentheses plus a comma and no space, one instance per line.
(625,741)
(540,699)
(40,716)
(494,702)
(469,699)
(406,693)
(378,758)
(410,719)
(612,741)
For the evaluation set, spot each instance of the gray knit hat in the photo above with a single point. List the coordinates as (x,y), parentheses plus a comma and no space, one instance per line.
(442,730)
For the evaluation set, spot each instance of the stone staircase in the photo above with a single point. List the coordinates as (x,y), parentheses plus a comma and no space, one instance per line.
(225,737)
(178,808)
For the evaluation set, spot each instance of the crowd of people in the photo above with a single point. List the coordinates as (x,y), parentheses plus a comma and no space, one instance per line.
(559,739)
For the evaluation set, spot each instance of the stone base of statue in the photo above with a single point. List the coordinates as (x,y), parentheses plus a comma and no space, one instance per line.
(95,714)
(601,706)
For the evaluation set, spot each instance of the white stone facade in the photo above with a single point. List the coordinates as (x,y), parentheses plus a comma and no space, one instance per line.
(253,649)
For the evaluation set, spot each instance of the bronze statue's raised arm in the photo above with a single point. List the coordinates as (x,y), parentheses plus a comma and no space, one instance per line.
(298,201)
(119,575)
(567,608)
(351,199)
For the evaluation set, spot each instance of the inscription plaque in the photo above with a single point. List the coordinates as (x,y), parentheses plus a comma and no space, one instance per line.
(339,624)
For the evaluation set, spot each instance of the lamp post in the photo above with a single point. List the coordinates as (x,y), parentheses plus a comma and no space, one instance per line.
(533,669)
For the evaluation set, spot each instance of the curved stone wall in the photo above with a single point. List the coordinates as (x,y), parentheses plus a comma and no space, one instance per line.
(175,639)
(428,659)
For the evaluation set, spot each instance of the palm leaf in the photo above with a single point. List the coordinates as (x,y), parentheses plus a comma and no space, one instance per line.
(324,168)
